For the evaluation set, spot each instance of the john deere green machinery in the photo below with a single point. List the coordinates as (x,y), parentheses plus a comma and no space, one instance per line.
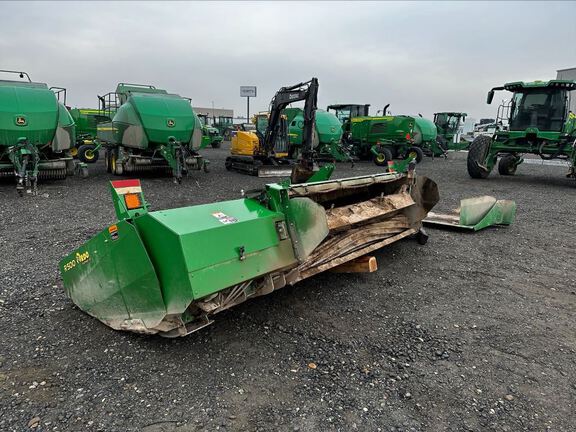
(449,125)
(87,147)
(225,126)
(328,130)
(537,121)
(210,135)
(36,132)
(384,138)
(151,129)
(425,136)
(169,272)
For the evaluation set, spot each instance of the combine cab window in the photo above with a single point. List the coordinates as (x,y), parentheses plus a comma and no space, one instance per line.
(543,109)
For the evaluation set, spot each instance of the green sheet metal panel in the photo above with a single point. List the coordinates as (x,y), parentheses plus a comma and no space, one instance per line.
(203,249)
(328,126)
(27,110)
(426,128)
(111,277)
(164,116)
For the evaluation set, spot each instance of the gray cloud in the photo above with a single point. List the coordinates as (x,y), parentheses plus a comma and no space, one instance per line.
(420,57)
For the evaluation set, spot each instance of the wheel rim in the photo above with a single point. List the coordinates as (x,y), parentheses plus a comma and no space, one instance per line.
(73,151)
(89,154)
(380,158)
(113,162)
(413,154)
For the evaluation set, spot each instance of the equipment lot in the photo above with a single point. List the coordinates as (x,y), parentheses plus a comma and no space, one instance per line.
(470,332)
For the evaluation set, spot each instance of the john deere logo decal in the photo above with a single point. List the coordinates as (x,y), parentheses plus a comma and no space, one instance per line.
(21,121)
(170,123)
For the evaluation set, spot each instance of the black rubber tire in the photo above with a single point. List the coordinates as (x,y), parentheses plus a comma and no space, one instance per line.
(477,155)
(384,155)
(84,172)
(115,167)
(215,144)
(418,151)
(107,156)
(87,154)
(507,165)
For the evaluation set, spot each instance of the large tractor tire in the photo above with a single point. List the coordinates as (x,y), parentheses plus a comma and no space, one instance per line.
(416,153)
(384,155)
(115,167)
(87,154)
(507,165)
(107,156)
(477,157)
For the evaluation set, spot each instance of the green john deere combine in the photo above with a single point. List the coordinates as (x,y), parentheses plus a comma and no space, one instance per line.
(449,125)
(87,147)
(160,272)
(328,131)
(537,121)
(36,132)
(384,138)
(150,130)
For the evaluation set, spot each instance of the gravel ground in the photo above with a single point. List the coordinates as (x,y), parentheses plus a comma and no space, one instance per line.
(470,332)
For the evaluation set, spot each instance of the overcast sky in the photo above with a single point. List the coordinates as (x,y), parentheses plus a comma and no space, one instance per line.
(419,57)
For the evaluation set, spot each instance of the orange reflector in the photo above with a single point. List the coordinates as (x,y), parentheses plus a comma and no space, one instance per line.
(112,229)
(132,201)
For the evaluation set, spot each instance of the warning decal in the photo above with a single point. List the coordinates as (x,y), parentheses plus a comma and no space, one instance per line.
(224,218)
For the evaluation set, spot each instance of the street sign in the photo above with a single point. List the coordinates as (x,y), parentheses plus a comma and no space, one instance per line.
(248,91)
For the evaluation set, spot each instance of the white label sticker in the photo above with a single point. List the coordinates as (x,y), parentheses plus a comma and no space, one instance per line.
(224,218)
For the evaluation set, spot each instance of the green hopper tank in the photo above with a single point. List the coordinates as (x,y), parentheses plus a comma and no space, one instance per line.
(328,130)
(150,130)
(36,132)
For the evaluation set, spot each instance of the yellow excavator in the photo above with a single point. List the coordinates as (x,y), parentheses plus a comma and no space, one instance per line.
(267,153)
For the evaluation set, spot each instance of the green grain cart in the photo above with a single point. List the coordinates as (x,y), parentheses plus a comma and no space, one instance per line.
(537,120)
(151,129)
(86,148)
(36,132)
(328,131)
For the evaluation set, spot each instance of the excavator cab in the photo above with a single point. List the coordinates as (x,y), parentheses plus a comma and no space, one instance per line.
(266,152)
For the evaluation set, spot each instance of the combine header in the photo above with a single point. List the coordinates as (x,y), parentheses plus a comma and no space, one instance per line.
(150,130)
(161,272)
(36,132)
